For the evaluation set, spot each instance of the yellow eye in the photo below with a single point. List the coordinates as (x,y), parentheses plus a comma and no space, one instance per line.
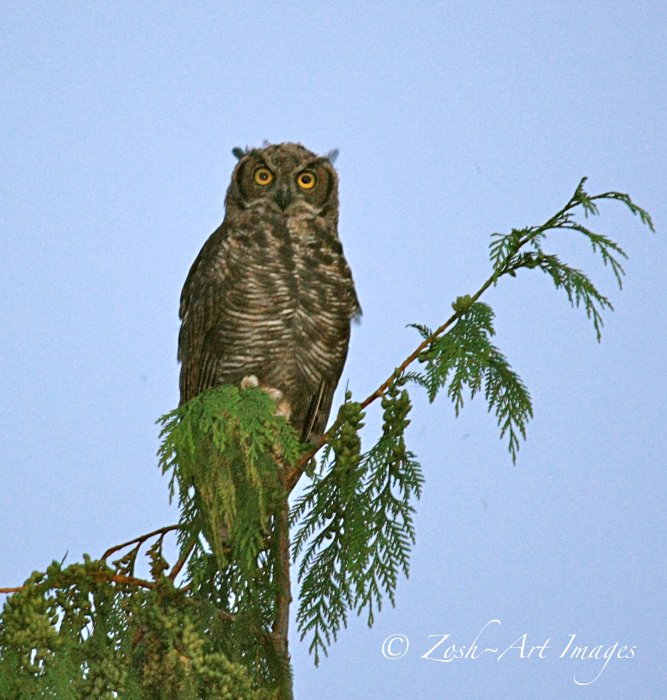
(306,180)
(263,176)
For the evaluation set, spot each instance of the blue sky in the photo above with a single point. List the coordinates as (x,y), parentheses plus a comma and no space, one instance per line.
(452,121)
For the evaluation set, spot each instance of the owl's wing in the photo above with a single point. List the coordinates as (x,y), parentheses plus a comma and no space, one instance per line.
(318,411)
(320,403)
(201,301)
(319,408)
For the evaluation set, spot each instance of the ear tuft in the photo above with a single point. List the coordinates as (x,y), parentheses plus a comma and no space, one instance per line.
(239,152)
(332,155)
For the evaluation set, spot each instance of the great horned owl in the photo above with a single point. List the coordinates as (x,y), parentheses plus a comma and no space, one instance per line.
(270,296)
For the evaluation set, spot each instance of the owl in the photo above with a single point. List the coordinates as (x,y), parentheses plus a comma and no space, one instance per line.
(270,298)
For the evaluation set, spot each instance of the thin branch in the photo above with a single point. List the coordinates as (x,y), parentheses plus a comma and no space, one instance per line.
(280,630)
(176,570)
(141,539)
(118,578)
(283,592)
(100,577)
(106,577)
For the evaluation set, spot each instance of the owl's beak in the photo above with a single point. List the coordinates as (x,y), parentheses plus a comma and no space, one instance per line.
(283,197)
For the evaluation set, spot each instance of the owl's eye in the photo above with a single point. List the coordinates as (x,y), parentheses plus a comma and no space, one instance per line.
(306,180)
(263,176)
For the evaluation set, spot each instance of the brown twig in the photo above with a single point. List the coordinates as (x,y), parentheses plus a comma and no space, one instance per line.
(226,616)
(100,576)
(118,578)
(103,576)
(141,539)
(280,629)
(176,570)
(9,591)
(107,577)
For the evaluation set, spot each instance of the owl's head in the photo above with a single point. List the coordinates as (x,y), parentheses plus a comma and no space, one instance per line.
(284,177)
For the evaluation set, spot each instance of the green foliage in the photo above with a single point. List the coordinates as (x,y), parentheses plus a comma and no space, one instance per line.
(84,632)
(92,630)
(227,451)
(507,259)
(355,525)
(223,449)
(64,635)
(218,630)
(465,359)
(182,653)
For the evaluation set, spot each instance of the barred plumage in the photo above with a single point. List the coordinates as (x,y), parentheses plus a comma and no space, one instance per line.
(271,295)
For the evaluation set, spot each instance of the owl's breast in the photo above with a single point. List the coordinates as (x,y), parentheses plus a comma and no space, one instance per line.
(288,296)
(286,266)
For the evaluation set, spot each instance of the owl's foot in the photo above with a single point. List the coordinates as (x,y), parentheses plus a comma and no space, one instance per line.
(283,407)
(249,381)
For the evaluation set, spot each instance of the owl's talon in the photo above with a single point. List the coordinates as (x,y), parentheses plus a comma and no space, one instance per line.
(284,409)
(249,381)
(275,394)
